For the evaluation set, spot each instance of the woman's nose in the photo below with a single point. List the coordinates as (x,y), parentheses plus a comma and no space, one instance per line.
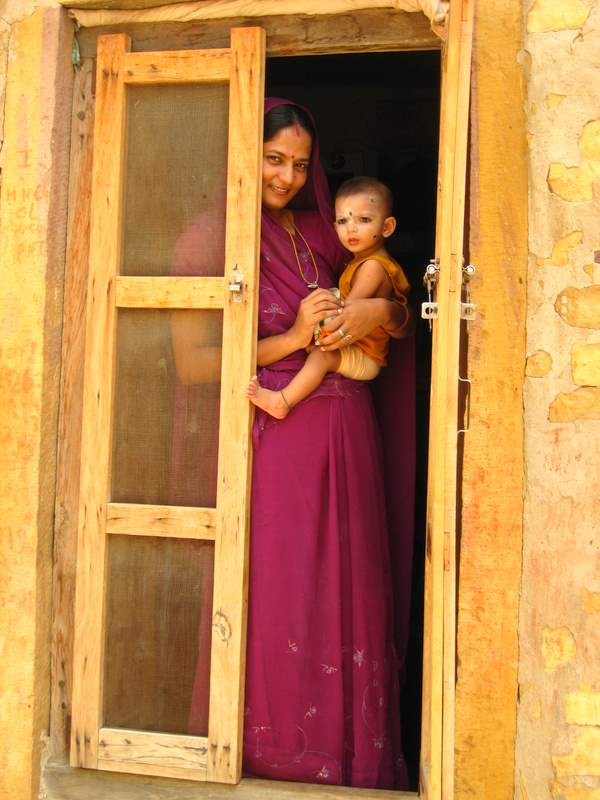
(286,174)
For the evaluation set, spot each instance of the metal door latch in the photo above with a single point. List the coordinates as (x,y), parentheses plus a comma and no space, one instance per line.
(468,310)
(236,284)
(429,309)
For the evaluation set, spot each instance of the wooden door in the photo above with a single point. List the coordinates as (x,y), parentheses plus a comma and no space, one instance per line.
(130,299)
(437,744)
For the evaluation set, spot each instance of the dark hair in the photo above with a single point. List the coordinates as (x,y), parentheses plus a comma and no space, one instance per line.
(363,183)
(286,116)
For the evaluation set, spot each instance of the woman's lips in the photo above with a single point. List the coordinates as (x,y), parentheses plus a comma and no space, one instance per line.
(278,189)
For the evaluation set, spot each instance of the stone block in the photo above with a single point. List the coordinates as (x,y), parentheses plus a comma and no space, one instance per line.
(585,364)
(583,707)
(538,364)
(556,15)
(583,403)
(589,141)
(579,307)
(584,758)
(558,647)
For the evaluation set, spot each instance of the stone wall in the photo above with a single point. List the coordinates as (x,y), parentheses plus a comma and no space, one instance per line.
(558,744)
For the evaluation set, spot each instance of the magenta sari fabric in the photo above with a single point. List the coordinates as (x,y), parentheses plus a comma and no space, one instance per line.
(322,694)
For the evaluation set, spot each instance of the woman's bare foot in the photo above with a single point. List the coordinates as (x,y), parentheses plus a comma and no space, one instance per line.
(273,403)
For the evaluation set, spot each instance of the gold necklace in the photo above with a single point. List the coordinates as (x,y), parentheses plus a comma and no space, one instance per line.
(312,284)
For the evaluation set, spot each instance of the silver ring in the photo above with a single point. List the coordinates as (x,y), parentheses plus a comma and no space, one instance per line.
(341,332)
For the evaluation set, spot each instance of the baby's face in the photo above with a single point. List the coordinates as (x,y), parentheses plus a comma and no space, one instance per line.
(361,222)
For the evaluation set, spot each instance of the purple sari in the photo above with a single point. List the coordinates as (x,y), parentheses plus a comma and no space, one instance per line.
(322,695)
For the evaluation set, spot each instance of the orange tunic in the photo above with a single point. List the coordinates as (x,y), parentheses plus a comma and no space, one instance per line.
(376,343)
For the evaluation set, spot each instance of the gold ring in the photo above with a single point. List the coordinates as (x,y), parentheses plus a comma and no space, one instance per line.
(341,332)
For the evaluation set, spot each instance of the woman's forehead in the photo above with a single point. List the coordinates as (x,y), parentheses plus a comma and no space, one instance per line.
(293,141)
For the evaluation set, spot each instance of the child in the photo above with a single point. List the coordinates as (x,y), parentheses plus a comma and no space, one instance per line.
(363,221)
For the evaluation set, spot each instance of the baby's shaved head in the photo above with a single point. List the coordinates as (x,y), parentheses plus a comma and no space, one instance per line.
(366,185)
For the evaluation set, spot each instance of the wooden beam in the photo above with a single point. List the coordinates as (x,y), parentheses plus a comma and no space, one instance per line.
(210,66)
(180,522)
(71,400)
(371,31)
(158,292)
(158,749)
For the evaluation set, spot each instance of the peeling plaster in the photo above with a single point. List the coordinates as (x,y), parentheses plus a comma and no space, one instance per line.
(562,250)
(573,183)
(554,100)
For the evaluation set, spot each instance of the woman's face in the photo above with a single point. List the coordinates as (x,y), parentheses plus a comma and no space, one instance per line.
(285,166)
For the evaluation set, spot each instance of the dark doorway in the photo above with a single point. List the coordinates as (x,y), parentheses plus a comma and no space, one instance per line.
(378,114)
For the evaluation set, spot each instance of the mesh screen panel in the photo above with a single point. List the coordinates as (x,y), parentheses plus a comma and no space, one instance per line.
(175,175)
(166,409)
(158,626)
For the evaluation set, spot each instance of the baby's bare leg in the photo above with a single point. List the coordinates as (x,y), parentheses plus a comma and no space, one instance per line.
(279,404)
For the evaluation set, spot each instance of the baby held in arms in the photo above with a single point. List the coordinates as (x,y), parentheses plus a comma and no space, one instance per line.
(363,221)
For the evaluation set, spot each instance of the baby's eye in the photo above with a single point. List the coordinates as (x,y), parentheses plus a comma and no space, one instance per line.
(365,219)
(340,221)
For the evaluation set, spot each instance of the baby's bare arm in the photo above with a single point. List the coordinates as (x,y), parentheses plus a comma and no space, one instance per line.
(370,280)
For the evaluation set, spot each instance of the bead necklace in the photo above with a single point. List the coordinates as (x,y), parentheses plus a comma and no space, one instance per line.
(311,284)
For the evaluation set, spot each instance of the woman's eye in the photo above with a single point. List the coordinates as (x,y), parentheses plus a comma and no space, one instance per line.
(273,159)
(301,167)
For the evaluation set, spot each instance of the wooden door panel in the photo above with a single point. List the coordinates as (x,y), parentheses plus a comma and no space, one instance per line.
(223,527)
(437,746)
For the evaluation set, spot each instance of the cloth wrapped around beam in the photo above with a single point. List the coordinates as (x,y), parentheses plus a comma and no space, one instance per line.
(96,13)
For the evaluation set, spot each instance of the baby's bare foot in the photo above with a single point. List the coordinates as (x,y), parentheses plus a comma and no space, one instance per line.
(272,402)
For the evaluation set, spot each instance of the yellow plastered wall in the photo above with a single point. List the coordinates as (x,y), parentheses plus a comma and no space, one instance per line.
(558,745)
(32,210)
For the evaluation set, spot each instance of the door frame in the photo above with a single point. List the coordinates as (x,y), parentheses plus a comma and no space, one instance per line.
(77,261)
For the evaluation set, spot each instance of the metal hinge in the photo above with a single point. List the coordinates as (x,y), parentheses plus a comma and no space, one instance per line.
(429,309)
(468,310)
(236,284)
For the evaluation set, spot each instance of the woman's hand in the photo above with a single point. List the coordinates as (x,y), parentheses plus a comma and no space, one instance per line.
(319,305)
(360,316)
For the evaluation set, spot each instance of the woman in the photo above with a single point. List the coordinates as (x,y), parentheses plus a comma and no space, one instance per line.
(321,684)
